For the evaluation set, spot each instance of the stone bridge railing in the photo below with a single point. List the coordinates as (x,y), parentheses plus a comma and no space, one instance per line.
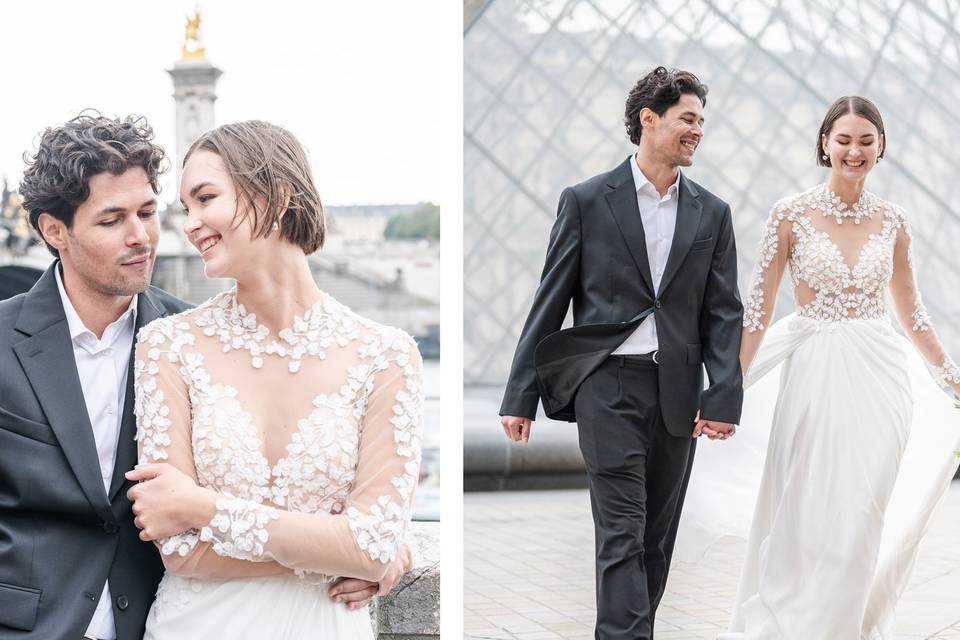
(412,610)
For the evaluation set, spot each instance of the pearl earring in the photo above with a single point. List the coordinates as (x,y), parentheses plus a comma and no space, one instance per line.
(825,157)
(276,225)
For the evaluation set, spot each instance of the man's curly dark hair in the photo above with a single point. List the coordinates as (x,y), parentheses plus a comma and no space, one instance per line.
(57,177)
(658,91)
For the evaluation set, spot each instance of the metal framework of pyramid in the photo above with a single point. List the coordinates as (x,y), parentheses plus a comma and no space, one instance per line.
(544,89)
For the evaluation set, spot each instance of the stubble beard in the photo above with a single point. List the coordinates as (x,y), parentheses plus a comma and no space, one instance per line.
(120,285)
(116,283)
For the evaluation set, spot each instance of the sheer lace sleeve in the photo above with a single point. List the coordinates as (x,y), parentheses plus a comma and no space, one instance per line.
(362,540)
(911,313)
(162,409)
(768,272)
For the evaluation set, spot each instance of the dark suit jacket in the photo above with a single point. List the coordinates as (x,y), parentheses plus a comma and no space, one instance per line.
(597,258)
(61,535)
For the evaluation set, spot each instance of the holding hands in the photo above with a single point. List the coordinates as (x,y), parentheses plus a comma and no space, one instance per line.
(518,428)
(713,429)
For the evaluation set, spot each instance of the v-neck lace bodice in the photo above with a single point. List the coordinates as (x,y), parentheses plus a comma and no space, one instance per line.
(842,270)
(323,419)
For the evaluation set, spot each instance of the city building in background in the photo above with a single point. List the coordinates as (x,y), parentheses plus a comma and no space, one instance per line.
(389,278)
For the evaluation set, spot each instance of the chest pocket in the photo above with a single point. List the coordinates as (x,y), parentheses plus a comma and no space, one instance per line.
(26,428)
(702,245)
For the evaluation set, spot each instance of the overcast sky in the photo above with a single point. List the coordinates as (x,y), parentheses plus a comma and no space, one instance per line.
(359,82)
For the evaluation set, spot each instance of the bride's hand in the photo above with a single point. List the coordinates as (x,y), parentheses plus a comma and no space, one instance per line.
(402,563)
(356,593)
(166,501)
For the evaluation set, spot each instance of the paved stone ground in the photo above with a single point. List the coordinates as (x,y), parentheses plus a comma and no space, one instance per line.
(528,574)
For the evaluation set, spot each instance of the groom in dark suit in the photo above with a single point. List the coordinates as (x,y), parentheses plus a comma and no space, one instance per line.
(648,258)
(71,563)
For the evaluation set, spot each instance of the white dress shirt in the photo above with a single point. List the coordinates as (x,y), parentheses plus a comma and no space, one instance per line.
(659,217)
(102,366)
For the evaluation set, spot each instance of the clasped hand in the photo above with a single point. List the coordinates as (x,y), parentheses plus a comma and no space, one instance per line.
(713,429)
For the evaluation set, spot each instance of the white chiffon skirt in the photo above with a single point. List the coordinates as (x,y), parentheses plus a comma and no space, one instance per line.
(845,448)
(281,607)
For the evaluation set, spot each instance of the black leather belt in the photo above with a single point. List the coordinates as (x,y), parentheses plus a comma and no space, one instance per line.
(640,359)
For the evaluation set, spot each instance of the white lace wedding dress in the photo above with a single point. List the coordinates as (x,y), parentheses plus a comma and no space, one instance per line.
(312,438)
(844,427)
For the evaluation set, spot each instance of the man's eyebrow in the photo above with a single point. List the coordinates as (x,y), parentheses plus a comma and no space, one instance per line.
(152,202)
(110,210)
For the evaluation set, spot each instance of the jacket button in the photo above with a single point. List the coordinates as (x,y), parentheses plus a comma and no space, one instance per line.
(110,527)
(122,603)
(657,304)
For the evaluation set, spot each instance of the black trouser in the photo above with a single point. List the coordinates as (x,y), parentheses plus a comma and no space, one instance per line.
(638,475)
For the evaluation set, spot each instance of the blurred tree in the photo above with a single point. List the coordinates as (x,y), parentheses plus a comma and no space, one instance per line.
(421,224)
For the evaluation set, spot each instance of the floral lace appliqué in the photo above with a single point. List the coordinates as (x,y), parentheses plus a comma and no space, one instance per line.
(323,325)
(318,470)
(828,203)
(239,528)
(947,373)
(841,292)
(921,319)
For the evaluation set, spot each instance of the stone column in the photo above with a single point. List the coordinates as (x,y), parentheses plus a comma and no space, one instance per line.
(194,92)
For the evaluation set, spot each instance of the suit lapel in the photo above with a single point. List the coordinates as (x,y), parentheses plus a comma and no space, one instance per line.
(622,200)
(688,221)
(47,359)
(148,310)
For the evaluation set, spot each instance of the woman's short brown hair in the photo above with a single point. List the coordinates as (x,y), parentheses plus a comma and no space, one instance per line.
(849,104)
(272,176)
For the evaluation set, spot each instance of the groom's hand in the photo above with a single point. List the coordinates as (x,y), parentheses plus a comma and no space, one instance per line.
(353,592)
(517,428)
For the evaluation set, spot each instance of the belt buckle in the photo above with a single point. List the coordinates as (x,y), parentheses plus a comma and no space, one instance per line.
(656,357)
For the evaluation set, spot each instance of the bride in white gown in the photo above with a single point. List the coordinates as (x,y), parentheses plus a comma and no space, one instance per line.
(857,436)
(290,425)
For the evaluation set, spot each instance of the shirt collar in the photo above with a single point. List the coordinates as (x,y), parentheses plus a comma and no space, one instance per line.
(641,181)
(77,328)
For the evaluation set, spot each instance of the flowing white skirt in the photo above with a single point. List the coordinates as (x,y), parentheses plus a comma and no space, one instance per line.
(844,450)
(281,607)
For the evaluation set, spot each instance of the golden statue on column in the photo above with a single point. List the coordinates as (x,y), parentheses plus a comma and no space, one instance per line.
(192,49)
